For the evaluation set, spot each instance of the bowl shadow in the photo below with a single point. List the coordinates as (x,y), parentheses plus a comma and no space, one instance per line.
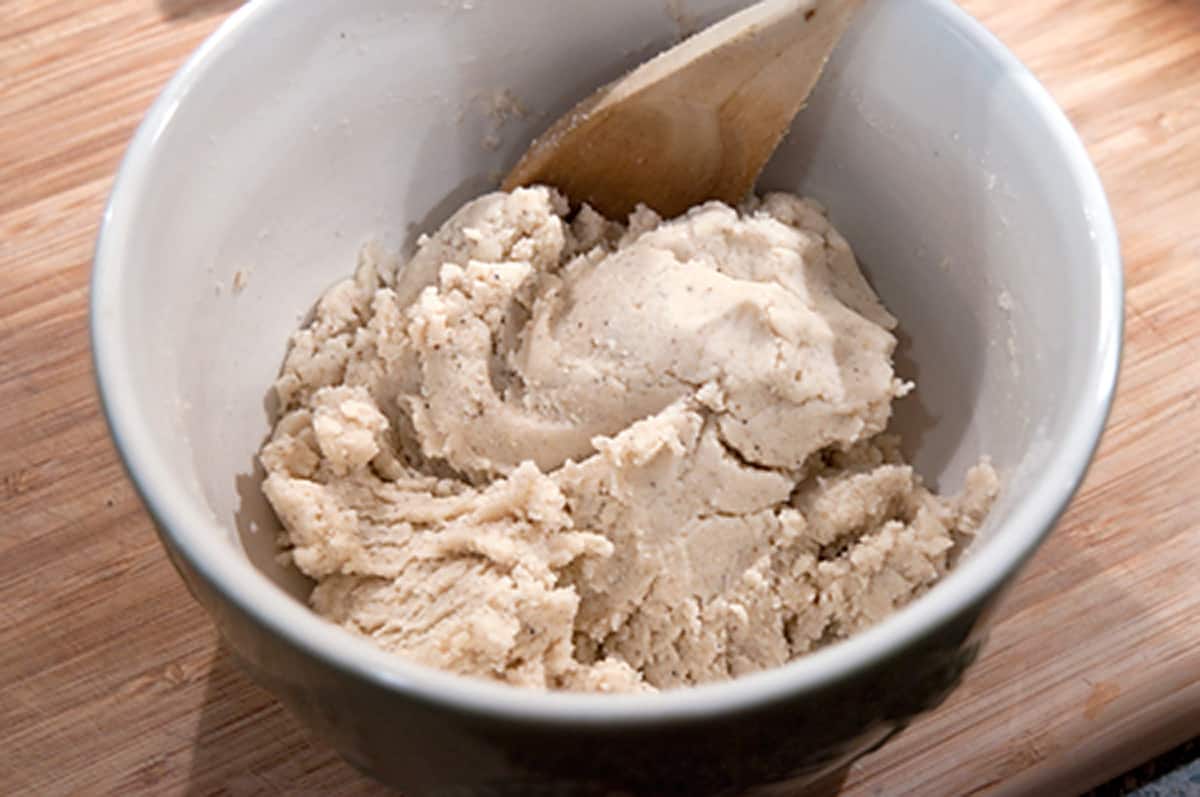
(179,9)
(246,742)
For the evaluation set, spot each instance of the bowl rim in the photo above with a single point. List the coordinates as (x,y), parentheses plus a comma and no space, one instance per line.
(200,539)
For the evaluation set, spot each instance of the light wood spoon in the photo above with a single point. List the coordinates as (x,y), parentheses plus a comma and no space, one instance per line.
(696,122)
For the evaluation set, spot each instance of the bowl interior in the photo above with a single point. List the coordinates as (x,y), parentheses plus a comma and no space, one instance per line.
(305,135)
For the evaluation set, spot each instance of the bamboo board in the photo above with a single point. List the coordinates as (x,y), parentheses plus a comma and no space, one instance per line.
(113,680)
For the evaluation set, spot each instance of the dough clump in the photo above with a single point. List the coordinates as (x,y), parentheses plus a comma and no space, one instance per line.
(567,453)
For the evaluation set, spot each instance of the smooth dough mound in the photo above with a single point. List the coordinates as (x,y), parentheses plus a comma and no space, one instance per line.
(593,456)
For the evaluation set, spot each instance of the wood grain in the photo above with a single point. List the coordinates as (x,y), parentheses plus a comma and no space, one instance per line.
(114,682)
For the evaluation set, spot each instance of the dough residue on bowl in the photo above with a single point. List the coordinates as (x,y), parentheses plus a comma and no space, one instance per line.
(567,453)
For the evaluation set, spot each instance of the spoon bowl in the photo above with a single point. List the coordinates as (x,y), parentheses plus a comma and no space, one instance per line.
(696,122)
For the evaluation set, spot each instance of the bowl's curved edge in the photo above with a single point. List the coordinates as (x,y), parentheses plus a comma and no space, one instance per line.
(198,536)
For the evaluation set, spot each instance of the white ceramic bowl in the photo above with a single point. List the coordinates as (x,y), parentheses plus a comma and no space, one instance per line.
(300,131)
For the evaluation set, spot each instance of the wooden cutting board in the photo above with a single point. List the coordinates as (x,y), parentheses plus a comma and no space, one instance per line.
(113,681)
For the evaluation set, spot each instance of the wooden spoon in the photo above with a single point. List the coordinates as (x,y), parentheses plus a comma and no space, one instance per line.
(696,122)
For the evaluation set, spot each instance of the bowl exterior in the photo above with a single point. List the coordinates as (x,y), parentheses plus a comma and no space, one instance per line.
(421,747)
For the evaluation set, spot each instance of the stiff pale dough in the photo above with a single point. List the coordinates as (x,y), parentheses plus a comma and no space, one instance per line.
(591,456)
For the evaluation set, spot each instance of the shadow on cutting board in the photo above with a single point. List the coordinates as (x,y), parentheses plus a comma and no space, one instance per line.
(176,9)
(247,743)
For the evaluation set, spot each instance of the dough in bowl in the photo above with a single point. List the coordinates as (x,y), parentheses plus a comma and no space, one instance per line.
(567,453)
